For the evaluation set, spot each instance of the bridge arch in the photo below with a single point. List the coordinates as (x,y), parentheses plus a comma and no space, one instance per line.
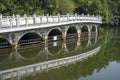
(93,30)
(84,36)
(71,32)
(4,43)
(84,30)
(54,32)
(29,38)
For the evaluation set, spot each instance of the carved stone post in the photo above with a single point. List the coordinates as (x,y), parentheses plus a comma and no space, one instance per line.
(47,17)
(58,17)
(25,17)
(11,22)
(34,18)
(68,15)
(0,21)
(17,20)
(75,16)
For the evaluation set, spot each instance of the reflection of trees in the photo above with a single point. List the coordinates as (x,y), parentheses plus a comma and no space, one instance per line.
(111,43)
(109,52)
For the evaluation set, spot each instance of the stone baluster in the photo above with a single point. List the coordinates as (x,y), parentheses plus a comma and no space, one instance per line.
(58,17)
(88,17)
(79,17)
(72,16)
(13,16)
(0,21)
(75,16)
(50,18)
(92,17)
(53,19)
(82,17)
(64,18)
(25,17)
(96,18)
(12,20)
(34,18)
(41,20)
(11,23)
(47,17)
(68,16)
(7,17)
(17,20)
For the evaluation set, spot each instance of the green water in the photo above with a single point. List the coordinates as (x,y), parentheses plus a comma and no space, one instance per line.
(105,65)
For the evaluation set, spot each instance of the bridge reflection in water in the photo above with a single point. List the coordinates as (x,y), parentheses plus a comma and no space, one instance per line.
(29,60)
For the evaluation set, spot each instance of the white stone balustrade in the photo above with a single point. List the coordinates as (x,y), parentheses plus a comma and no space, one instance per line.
(19,21)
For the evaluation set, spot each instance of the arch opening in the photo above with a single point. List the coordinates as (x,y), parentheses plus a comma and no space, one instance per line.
(54,34)
(71,32)
(93,31)
(4,43)
(84,33)
(30,38)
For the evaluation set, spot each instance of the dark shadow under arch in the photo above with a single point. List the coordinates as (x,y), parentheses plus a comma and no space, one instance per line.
(30,38)
(54,34)
(4,43)
(84,31)
(93,31)
(71,32)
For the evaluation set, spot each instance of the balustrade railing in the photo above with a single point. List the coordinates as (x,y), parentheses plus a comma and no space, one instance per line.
(16,21)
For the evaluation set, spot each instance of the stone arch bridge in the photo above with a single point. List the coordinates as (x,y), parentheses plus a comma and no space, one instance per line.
(19,30)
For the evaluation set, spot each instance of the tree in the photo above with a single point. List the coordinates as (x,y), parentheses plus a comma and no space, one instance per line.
(65,6)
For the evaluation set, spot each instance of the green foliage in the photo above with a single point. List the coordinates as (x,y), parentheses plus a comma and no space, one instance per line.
(109,10)
(66,6)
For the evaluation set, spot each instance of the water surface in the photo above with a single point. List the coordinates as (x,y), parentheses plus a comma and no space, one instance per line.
(103,65)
